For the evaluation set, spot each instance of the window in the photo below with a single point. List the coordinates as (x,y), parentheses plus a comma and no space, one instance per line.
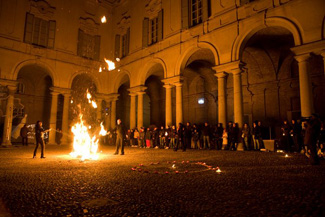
(152,30)
(39,32)
(20,88)
(122,44)
(88,45)
(196,12)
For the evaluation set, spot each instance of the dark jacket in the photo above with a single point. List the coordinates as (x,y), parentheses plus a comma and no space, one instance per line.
(24,131)
(119,130)
(39,132)
(206,131)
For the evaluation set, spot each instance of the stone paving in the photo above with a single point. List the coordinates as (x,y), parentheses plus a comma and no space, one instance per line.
(143,182)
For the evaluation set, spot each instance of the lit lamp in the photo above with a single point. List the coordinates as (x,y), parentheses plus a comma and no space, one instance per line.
(200,101)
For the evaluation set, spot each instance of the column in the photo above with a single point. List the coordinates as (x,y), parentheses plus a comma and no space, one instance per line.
(140,109)
(108,116)
(238,97)
(306,97)
(54,110)
(99,109)
(179,103)
(65,118)
(222,98)
(132,110)
(169,119)
(7,127)
(113,113)
(323,55)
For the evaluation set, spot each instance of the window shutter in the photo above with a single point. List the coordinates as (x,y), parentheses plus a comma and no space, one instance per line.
(29,28)
(117,46)
(185,19)
(145,32)
(80,42)
(97,47)
(205,10)
(127,44)
(161,25)
(52,30)
(44,33)
(36,30)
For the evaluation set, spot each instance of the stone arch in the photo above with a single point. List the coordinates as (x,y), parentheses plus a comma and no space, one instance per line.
(93,78)
(120,79)
(146,73)
(182,61)
(39,63)
(242,39)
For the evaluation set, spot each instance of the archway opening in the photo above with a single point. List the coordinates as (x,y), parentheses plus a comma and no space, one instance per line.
(123,102)
(33,90)
(270,82)
(154,99)
(79,104)
(200,88)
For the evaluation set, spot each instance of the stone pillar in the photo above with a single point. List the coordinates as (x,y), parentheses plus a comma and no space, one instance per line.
(238,97)
(108,116)
(323,55)
(133,110)
(99,109)
(7,127)
(222,98)
(113,113)
(65,118)
(54,111)
(179,103)
(169,118)
(306,97)
(140,109)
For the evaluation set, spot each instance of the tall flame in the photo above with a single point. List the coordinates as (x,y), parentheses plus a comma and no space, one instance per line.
(84,146)
(94,104)
(102,131)
(110,64)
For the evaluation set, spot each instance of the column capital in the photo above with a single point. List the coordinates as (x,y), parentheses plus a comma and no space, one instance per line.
(173,80)
(137,89)
(61,90)
(179,84)
(113,97)
(229,67)
(314,47)
(302,58)
(220,75)
(141,93)
(101,96)
(6,82)
(12,89)
(168,86)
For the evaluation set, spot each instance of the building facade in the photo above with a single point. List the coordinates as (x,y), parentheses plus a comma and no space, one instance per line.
(176,61)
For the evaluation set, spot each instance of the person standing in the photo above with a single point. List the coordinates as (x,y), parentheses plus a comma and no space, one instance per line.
(246,131)
(187,135)
(234,136)
(296,129)
(120,133)
(206,135)
(136,136)
(195,136)
(24,135)
(311,136)
(255,133)
(142,135)
(39,133)
(148,138)
(173,135)
(219,136)
(286,136)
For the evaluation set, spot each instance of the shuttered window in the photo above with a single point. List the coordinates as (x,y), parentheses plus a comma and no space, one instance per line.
(88,45)
(39,32)
(126,43)
(153,29)
(194,12)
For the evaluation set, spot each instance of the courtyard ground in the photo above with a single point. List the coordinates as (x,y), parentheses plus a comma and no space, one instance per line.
(136,184)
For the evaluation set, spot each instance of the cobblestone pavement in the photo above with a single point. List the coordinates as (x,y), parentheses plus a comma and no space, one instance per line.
(250,184)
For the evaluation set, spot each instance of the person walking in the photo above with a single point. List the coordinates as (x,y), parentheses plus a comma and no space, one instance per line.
(24,135)
(39,134)
(120,133)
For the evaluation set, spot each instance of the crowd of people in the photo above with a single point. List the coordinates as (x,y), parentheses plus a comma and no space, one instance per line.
(307,136)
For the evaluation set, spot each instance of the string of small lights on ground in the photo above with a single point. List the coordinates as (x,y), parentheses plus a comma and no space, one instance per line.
(174,167)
